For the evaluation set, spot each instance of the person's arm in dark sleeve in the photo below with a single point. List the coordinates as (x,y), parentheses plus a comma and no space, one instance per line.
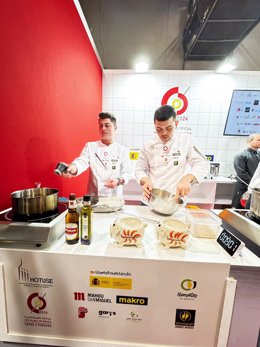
(240,166)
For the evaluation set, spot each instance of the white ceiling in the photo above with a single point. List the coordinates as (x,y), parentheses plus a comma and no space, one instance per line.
(125,30)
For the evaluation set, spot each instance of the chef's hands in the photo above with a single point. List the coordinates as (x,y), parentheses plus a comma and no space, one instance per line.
(184,185)
(111,183)
(71,171)
(147,187)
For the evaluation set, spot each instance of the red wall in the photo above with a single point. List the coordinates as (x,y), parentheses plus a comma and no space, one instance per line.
(50,94)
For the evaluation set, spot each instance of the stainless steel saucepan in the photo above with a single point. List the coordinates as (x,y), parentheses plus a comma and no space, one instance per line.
(34,201)
(255,198)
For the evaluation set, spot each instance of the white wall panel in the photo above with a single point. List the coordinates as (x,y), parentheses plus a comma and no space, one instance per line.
(133,98)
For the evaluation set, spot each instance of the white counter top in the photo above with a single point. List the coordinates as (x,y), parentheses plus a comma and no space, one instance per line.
(198,249)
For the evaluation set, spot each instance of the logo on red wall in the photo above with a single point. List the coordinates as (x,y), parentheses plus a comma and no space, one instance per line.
(36,303)
(177,100)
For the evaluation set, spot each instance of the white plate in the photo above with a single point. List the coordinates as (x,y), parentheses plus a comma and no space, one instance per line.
(108,204)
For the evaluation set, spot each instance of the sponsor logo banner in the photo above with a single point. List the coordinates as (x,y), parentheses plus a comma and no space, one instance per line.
(131,300)
(28,280)
(106,314)
(82,311)
(185,318)
(110,282)
(134,317)
(110,273)
(187,285)
(37,303)
(80,296)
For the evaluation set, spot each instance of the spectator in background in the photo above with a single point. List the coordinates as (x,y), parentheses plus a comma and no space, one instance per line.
(170,161)
(245,164)
(107,160)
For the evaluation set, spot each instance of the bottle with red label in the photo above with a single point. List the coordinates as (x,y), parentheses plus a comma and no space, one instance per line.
(72,221)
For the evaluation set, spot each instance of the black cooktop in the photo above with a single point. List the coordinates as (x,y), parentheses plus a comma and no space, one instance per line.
(46,217)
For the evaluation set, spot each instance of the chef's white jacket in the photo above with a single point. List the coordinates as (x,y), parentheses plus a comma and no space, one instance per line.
(255,180)
(166,163)
(105,163)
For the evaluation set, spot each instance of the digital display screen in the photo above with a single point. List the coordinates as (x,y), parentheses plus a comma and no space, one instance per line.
(243,117)
(229,242)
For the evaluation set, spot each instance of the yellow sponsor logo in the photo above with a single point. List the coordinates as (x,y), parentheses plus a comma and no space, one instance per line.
(133,155)
(110,282)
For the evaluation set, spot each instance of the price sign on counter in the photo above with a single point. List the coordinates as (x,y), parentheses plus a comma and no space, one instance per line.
(230,243)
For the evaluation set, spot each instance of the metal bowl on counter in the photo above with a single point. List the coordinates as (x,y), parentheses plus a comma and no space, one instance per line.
(34,201)
(164,202)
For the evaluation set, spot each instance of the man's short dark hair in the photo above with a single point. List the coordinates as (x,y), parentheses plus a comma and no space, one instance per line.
(106,115)
(164,112)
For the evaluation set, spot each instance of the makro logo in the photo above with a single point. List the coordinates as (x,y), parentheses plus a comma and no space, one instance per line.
(24,277)
(131,300)
(106,314)
(188,284)
(185,318)
(36,303)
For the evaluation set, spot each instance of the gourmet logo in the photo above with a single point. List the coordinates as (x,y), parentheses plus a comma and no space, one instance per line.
(131,300)
(25,278)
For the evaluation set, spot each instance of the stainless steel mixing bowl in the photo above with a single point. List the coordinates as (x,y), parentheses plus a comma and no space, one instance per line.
(164,202)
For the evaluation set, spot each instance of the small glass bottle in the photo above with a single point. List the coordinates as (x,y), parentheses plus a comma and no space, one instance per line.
(86,221)
(72,221)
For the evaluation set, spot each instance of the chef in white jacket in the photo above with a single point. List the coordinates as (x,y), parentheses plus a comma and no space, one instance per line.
(254,183)
(170,161)
(107,160)
(255,180)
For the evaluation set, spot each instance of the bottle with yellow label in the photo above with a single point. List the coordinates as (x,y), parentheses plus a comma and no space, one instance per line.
(86,221)
(72,221)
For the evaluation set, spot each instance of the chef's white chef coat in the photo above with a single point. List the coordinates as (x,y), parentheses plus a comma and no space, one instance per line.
(166,163)
(255,180)
(112,162)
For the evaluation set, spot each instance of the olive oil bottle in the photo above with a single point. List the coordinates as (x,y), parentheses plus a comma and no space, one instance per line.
(86,221)
(72,221)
